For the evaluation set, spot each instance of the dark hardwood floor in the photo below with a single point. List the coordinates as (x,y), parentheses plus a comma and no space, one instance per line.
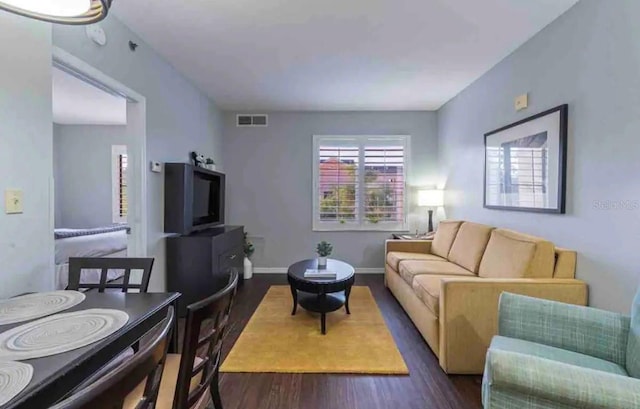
(427,386)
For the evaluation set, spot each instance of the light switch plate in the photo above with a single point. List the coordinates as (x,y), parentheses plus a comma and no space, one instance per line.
(521,102)
(13,201)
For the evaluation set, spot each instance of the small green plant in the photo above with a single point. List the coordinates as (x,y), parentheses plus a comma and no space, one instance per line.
(209,161)
(324,249)
(249,248)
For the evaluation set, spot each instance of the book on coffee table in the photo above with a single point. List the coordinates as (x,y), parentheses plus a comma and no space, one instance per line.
(315,273)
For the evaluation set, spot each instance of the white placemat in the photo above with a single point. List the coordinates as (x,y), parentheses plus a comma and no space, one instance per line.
(32,306)
(59,333)
(14,377)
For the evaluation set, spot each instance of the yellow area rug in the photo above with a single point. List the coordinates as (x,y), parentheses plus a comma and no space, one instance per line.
(276,341)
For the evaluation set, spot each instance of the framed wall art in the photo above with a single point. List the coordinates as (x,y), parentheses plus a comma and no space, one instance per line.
(526,164)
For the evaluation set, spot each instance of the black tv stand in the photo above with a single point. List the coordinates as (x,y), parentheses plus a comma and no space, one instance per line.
(198,263)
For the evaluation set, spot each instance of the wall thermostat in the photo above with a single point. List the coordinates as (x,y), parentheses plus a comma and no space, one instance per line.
(97,34)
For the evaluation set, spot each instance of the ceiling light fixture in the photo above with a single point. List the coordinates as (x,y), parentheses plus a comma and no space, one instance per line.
(60,11)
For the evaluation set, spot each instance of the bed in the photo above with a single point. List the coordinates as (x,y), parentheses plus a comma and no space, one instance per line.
(108,241)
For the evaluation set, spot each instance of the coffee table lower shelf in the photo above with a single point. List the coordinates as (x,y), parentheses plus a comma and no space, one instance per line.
(322,304)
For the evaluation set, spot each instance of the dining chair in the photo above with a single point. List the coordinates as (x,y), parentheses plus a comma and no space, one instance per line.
(190,380)
(146,367)
(104,264)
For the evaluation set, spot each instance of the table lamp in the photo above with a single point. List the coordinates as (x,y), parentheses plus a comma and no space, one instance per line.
(432,198)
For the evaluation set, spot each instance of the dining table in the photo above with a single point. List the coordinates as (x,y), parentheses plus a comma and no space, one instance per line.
(56,376)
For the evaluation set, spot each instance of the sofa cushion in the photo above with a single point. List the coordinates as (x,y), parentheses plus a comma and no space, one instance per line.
(427,289)
(515,255)
(445,235)
(469,245)
(411,268)
(555,354)
(395,257)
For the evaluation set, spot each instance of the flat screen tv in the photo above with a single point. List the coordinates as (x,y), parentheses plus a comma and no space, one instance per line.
(194,198)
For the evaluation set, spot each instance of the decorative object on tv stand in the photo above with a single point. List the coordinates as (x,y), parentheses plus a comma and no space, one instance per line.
(210,164)
(73,12)
(198,159)
(431,198)
(324,250)
(249,248)
(525,164)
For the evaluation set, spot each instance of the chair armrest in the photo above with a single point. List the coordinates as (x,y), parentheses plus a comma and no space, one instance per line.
(468,315)
(590,331)
(551,381)
(409,246)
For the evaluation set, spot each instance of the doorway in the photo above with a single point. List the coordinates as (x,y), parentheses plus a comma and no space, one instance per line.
(113,199)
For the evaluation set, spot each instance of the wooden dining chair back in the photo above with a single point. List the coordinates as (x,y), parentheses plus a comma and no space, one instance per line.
(104,264)
(205,328)
(111,391)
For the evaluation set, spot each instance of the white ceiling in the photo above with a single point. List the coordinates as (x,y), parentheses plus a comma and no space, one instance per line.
(336,54)
(76,102)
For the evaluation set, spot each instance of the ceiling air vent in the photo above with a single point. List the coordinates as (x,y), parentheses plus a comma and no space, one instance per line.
(251,120)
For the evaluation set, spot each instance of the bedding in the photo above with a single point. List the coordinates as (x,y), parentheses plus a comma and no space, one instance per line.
(102,242)
(94,245)
(67,233)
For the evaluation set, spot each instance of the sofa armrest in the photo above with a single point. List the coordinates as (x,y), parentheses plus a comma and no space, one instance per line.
(556,382)
(565,266)
(409,246)
(589,331)
(468,316)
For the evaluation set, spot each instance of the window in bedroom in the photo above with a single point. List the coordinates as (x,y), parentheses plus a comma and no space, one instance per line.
(360,182)
(119,183)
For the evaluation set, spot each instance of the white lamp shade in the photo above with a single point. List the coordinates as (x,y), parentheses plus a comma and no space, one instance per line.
(431,198)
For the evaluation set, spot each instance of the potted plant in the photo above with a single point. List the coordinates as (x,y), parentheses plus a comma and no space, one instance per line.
(210,164)
(249,248)
(324,250)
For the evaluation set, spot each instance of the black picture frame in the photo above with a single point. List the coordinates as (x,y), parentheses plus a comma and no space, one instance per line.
(560,206)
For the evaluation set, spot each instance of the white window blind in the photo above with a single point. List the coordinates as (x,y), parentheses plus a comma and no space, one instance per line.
(360,182)
(119,200)
(122,171)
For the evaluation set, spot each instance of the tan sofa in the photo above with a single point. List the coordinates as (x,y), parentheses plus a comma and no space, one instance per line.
(449,286)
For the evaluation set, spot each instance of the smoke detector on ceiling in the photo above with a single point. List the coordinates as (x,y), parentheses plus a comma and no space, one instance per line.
(252,120)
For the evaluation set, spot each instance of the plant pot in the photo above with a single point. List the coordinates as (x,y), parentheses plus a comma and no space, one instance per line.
(210,166)
(322,262)
(248,268)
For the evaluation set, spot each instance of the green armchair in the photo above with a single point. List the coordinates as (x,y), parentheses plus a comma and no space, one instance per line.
(553,355)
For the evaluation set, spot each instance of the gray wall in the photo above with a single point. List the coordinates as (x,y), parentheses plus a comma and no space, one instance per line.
(26,240)
(590,59)
(179,117)
(269,179)
(82,170)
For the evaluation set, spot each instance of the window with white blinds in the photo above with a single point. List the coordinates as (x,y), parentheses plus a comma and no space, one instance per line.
(120,204)
(122,185)
(360,182)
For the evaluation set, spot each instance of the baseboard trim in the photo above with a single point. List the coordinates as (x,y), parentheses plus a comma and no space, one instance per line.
(283,270)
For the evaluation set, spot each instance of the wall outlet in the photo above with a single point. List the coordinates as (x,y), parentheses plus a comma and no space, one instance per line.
(13,201)
(521,102)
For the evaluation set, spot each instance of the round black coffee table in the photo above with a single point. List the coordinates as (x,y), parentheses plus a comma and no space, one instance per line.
(321,295)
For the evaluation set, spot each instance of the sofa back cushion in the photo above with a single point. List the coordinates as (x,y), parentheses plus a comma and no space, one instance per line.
(515,255)
(445,235)
(469,245)
(633,343)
